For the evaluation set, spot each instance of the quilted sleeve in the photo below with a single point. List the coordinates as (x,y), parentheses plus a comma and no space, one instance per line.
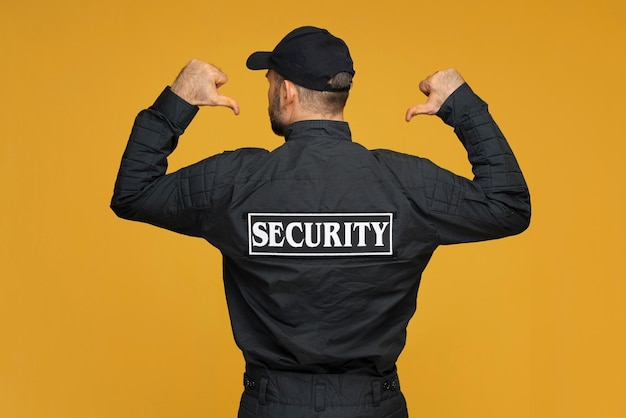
(496,202)
(143,192)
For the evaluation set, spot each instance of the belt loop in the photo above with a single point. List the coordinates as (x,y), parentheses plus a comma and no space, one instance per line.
(376,392)
(263,390)
(320,397)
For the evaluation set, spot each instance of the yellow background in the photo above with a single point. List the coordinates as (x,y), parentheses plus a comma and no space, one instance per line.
(101,317)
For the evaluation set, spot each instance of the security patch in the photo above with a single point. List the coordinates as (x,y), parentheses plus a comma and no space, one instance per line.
(320,234)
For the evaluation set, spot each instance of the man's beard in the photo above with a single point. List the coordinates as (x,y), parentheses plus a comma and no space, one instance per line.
(278,127)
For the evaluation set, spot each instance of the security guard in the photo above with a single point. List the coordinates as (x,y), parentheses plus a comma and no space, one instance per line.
(324,241)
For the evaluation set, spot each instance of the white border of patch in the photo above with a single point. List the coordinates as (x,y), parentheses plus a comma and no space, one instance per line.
(320,254)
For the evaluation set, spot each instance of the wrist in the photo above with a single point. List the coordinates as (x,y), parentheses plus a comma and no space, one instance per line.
(175,109)
(181,92)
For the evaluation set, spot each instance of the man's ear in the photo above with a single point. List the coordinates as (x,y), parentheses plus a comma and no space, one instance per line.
(289,93)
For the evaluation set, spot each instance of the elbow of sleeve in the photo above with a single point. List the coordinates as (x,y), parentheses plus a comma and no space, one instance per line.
(523,223)
(519,221)
(122,209)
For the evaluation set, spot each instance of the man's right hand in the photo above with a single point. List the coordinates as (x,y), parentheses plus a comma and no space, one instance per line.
(198,83)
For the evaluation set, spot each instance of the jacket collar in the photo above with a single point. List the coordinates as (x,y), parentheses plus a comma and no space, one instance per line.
(318,129)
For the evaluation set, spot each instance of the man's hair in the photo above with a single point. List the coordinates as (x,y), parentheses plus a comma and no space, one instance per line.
(325,102)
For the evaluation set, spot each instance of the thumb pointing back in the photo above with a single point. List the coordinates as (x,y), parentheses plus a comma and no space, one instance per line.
(420,109)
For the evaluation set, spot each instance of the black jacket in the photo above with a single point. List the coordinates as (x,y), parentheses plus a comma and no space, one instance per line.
(324,242)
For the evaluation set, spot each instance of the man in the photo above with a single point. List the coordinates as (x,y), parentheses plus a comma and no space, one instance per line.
(323,241)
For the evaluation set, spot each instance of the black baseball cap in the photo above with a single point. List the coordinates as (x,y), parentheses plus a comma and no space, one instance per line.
(307,56)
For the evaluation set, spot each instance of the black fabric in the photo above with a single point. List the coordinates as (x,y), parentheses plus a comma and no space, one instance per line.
(317,313)
(286,394)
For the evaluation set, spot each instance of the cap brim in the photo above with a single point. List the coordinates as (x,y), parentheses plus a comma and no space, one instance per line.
(259,61)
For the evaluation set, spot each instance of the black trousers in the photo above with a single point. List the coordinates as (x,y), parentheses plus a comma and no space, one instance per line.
(272,394)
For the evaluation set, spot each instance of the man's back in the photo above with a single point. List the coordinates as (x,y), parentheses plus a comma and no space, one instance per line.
(323,253)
